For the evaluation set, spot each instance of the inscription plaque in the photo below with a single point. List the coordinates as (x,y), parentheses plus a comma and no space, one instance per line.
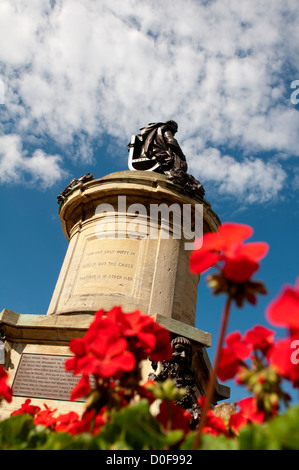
(106,268)
(43,376)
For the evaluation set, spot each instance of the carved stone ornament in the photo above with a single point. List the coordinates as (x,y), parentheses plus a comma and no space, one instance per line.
(156,149)
(75,182)
(179,370)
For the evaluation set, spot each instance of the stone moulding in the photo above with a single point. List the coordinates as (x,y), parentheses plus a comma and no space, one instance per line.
(42,329)
(18,327)
(146,182)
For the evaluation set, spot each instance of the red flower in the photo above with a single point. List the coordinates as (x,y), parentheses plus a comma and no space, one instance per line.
(144,335)
(232,356)
(102,351)
(173,416)
(66,422)
(249,413)
(237,421)
(284,310)
(249,409)
(114,342)
(214,425)
(26,407)
(82,388)
(238,261)
(72,424)
(5,390)
(45,417)
(260,338)
(284,358)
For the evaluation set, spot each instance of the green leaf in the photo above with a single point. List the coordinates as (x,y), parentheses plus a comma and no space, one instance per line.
(15,431)
(284,429)
(256,437)
(280,433)
(210,442)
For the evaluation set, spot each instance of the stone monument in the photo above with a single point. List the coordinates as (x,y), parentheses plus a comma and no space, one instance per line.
(130,234)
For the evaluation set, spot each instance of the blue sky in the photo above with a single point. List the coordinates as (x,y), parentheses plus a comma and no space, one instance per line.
(81,76)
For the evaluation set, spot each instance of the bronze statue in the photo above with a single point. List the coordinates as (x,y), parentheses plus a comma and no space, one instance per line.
(179,369)
(156,149)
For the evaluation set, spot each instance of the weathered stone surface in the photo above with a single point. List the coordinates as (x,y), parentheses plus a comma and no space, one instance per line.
(146,272)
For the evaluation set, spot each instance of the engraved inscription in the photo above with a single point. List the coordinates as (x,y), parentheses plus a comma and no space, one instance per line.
(104,268)
(43,376)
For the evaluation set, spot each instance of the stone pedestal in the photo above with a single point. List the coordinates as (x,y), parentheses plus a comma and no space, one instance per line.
(130,238)
(128,246)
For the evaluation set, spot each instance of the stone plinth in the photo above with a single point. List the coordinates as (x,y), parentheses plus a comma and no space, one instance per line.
(130,237)
(127,248)
(37,347)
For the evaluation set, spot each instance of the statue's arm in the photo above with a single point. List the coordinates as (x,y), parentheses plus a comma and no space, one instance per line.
(173,144)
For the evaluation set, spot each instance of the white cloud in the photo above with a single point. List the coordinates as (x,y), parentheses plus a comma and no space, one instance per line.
(80,69)
(251,179)
(15,165)
(2,92)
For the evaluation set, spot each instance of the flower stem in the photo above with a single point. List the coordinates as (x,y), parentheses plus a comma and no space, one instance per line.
(213,376)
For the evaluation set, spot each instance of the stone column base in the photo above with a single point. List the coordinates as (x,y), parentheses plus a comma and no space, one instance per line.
(37,346)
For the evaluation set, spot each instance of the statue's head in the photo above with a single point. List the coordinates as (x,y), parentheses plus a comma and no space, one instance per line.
(173,125)
(182,350)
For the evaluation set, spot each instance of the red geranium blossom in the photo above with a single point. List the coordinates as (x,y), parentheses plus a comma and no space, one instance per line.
(214,425)
(102,351)
(249,409)
(115,341)
(284,358)
(173,416)
(113,346)
(45,417)
(26,407)
(67,422)
(260,338)
(73,424)
(232,356)
(89,422)
(144,335)
(284,310)
(238,261)
(249,413)
(82,388)
(5,390)
(237,421)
